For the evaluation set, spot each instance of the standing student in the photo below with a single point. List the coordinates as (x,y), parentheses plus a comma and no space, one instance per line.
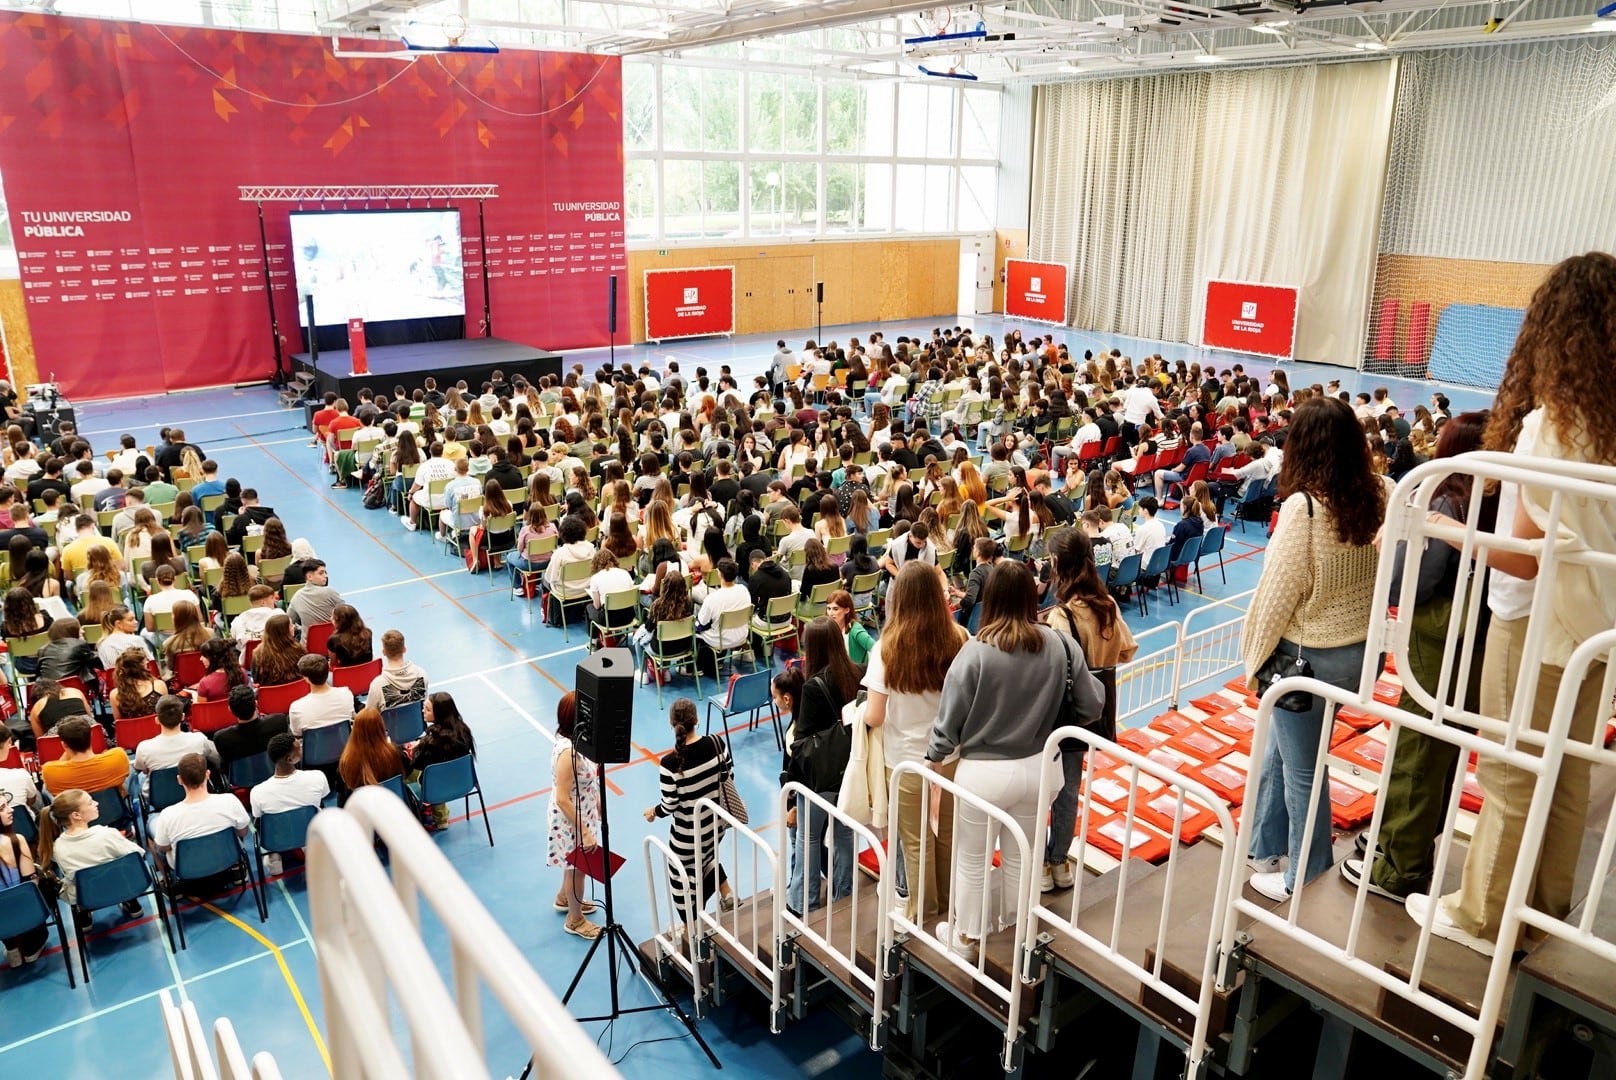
(692,771)
(831,681)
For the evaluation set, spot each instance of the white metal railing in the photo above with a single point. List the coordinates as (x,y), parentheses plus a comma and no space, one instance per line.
(367,936)
(1510,741)
(1062,918)
(1209,652)
(839,944)
(1011,907)
(192,1058)
(747,877)
(1150,679)
(676,941)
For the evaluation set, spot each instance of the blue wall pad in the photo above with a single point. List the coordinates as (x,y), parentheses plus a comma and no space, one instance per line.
(1473,342)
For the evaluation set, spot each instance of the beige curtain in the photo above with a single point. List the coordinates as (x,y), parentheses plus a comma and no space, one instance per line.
(1150,187)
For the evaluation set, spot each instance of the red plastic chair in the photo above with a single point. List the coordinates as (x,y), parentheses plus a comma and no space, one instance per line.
(357,677)
(49,747)
(134,730)
(246,658)
(315,637)
(279,698)
(189,668)
(210,716)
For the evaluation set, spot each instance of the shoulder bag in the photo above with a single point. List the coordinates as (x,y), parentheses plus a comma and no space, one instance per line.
(1283,665)
(729,797)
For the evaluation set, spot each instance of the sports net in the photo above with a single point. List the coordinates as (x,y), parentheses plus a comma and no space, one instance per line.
(1500,167)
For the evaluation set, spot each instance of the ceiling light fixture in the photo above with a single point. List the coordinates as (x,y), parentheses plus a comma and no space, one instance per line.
(1370,46)
(1209,58)
(1600,26)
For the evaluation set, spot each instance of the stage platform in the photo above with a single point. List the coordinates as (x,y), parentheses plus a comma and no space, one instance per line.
(472,359)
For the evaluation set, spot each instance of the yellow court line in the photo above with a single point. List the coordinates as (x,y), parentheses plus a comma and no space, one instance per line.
(286,973)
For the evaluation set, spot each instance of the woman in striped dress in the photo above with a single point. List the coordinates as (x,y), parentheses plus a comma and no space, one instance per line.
(693,770)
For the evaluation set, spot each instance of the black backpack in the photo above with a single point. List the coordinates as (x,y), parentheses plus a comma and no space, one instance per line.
(375,493)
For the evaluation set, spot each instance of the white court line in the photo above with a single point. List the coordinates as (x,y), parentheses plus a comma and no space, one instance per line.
(523,713)
(506,667)
(187,422)
(256,445)
(405,581)
(59,1028)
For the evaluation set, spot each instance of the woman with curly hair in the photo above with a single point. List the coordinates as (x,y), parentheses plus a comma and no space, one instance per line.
(1314,600)
(237,578)
(350,642)
(99,569)
(275,659)
(224,672)
(135,689)
(1552,403)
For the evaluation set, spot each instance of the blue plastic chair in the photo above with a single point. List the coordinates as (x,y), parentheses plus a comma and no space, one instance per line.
(249,772)
(162,791)
(323,745)
(203,857)
(447,781)
(1187,554)
(23,908)
(281,832)
(1155,568)
(24,825)
(123,879)
(1126,579)
(116,811)
(746,694)
(404,722)
(1212,544)
(395,784)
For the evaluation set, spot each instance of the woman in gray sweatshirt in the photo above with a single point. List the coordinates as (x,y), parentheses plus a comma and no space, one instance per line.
(1001,699)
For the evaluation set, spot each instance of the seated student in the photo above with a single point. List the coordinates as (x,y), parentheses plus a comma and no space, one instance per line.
(608,578)
(447,737)
(1148,533)
(221,670)
(350,641)
(67,655)
(369,757)
(572,548)
(730,595)
(401,681)
(17,866)
(79,766)
(252,731)
(200,813)
(914,544)
(70,839)
(462,486)
(290,787)
(316,601)
(164,598)
(275,660)
(324,704)
(51,703)
(170,744)
(984,553)
(249,625)
(17,787)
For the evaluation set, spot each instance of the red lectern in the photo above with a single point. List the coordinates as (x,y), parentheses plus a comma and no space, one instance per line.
(356,347)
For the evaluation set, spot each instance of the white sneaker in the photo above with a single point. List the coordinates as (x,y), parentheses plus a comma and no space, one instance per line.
(1047,882)
(1265,866)
(272,864)
(13,958)
(965,950)
(1417,906)
(1064,878)
(409,523)
(640,677)
(1271,885)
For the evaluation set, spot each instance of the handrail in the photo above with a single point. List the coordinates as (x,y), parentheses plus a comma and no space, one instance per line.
(1189,672)
(189,1051)
(1151,677)
(367,935)
(674,939)
(1108,949)
(845,959)
(763,870)
(898,921)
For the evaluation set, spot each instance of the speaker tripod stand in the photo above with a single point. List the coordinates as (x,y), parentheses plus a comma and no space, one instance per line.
(615,938)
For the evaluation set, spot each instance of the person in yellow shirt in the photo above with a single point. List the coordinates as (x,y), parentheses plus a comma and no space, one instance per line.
(76,555)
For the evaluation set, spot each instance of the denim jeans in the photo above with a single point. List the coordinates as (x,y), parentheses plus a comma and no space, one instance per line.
(1063,811)
(1279,817)
(812,821)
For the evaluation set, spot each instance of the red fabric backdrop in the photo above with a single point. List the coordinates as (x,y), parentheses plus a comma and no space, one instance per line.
(123,146)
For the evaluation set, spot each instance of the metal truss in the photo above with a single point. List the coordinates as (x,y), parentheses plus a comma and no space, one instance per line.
(365,192)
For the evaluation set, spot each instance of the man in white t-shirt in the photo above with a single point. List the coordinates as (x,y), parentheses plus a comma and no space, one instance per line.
(1148,533)
(165,596)
(249,625)
(324,704)
(17,786)
(200,814)
(170,745)
(290,788)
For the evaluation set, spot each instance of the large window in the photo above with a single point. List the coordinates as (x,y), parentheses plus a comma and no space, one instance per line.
(716,151)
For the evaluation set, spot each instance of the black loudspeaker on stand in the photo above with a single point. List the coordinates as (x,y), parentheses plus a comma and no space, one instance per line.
(819,312)
(314,348)
(602,728)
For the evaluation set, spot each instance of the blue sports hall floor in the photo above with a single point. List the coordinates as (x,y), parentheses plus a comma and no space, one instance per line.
(506,671)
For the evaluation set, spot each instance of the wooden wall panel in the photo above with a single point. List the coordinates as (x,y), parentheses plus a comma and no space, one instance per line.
(19,337)
(865,281)
(1007,244)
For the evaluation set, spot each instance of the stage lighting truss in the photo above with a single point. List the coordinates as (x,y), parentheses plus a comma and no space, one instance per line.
(367,193)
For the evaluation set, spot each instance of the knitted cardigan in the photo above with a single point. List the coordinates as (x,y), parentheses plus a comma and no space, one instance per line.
(1314,589)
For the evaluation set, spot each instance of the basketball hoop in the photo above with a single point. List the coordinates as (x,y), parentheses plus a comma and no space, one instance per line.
(454,29)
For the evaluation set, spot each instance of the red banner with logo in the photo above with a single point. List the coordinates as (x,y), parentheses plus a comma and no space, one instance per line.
(1248,318)
(693,302)
(123,147)
(1035,290)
